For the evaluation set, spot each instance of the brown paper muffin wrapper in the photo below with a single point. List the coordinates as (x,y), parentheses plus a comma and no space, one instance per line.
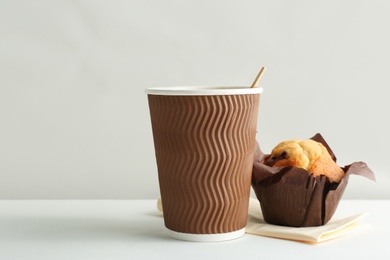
(291,196)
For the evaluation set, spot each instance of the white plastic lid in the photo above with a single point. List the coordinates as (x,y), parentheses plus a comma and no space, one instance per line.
(202,91)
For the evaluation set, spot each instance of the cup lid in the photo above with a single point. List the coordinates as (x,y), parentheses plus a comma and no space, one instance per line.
(203,90)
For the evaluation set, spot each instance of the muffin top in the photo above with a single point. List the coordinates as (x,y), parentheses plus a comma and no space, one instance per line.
(307,154)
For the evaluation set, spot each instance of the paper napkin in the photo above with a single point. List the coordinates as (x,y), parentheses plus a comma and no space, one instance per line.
(333,229)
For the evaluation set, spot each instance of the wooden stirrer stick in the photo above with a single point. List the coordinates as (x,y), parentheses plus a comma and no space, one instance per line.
(257,79)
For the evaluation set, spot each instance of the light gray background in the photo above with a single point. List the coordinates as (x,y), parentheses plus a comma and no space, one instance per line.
(74,119)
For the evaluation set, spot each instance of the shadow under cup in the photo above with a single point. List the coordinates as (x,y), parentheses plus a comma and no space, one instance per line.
(204,141)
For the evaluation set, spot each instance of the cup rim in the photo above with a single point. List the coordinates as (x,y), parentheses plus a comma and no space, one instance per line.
(203,90)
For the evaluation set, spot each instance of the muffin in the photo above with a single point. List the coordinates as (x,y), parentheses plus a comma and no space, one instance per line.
(299,184)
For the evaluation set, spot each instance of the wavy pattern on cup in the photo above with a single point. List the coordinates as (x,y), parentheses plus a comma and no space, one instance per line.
(204,150)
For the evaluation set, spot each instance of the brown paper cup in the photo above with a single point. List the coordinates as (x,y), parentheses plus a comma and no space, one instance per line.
(204,145)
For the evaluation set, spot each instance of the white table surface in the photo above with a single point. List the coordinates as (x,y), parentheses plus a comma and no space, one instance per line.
(134,229)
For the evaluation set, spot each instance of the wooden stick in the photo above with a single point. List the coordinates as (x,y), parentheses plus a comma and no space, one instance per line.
(257,79)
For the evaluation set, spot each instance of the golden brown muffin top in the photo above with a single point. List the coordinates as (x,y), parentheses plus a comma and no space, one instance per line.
(298,153)
(307,154)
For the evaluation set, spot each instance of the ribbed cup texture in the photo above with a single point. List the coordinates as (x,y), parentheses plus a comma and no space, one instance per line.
(204,149)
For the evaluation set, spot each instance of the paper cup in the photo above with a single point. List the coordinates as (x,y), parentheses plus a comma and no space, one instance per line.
(204,139)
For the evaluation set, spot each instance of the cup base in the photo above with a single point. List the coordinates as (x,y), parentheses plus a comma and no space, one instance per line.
(206,237)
